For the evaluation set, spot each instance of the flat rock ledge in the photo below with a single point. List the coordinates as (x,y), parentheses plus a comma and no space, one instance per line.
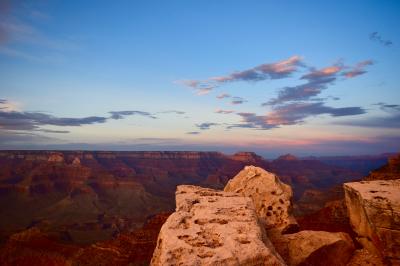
(211,227)
(374,211)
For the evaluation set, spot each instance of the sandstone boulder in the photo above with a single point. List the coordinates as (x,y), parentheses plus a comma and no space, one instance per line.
(211,227)
(272,198)
(374,211)
(314,248)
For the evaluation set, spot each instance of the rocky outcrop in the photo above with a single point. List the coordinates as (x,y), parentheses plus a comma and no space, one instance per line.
(56,157)
(362,257)
(331,218)
(76,161)
(389,171)
(211,227)
(315,248)
(35,248)
(271,197)
(287,157)
(374,211)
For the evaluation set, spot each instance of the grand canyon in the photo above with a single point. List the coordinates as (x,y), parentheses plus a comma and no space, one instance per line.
(104,208)
(199,133)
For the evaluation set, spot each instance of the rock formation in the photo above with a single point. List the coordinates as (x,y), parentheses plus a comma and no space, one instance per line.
(35,248)
(387,172)
(212,227)
(88,197)
(315,248)
(271,197)
(76,161)
(56,157)
(374,211)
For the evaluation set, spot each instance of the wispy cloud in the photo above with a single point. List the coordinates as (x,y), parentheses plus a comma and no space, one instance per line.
(277,70)
(12,138)
(251,120)
(121,114)
(32,120)
(317,81)
(15,120)
(237,100)
(193,133)
(391,119)
(223,96)
(292,114)
(359,69)
(177,112)
(19,36)
(204,91)
(206,125)
(375,36)
(220,111)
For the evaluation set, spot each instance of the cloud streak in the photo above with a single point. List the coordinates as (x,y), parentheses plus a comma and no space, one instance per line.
(358,70)
(177,112)
(237,100)
(121,114)
(220,111)
(375,36)
(390,120)
(223,96)
(193,133)
(33,121)
(292,114)
(206,125)
(317,81)
(277,70)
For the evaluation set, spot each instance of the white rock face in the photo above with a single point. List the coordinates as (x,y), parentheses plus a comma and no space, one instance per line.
(374,211)
(211,227)
(272,198)
(316,248)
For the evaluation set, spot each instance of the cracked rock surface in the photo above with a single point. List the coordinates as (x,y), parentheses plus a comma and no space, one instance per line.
(272,198)
(374,211)
(211,227)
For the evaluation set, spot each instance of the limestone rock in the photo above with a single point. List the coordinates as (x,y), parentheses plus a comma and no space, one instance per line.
(374,211)
(315,248)
(272,198)
(211,227)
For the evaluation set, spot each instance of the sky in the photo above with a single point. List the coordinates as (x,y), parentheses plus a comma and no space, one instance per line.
(273,77)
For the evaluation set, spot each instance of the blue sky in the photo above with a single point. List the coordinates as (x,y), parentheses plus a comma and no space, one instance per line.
(310,77)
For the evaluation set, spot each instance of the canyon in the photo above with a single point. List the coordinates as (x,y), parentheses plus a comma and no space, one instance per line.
(109,206)
(247,224)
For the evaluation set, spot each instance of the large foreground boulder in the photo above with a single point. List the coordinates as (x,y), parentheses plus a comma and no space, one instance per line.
(316,248)
(272,198)
(374,211)
(211,227)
